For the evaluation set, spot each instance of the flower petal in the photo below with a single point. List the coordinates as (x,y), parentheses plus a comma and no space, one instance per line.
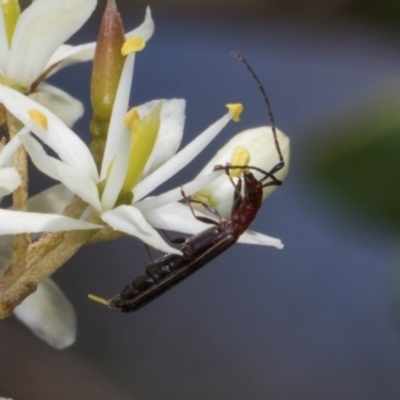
(52,200)
(181,159)
(176,217)
(117,173)
(66,55)
(8,150)
(14,222)
(41,28)
(69,147)
(39,157)
(117,127)
(60,103)
(49,315)
(170,133)
(176,194)
(9,181)
(130,220)
(145,30)
(261,146)
(73,178)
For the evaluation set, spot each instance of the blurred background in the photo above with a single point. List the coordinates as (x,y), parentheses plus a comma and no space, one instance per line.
(319,319)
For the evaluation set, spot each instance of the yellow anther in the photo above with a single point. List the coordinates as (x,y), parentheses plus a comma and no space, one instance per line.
(240,158)
(38,117)
(235,109)
(98,299)
(134,44)
(132,118)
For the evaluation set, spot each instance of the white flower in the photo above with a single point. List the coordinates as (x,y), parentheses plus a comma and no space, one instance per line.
(34,37)
(36,50)
(40,30)
(122,173)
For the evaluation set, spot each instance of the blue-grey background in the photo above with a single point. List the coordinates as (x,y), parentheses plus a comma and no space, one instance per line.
(317,320)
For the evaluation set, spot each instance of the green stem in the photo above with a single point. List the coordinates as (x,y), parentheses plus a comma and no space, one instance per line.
(39,269)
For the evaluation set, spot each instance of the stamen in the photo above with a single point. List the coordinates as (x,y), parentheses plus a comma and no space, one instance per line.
(235,109)
(38,117)
(132,45)
(240,158)
(98,299)
(132,118)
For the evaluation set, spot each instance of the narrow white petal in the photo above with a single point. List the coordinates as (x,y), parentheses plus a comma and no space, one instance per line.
(39,157)
(9,181)
(9,149)
(251,237)
(67,55)
(176,217)
(78,183)
(74,179)
(116,177)
(117,127)
(69,147)
(49,315)
(4,49)
(170,133)
(176,194)
(145,30)
(60,103)
(14,222)
(130,220)
(52,200)
(41,28)
(181,159)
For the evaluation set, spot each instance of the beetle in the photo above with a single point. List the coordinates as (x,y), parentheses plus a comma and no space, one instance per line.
(169,269)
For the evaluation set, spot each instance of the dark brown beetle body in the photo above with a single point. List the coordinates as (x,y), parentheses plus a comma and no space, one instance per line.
(169,269)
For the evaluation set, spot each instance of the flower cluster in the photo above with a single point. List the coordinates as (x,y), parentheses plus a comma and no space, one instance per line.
(104,188)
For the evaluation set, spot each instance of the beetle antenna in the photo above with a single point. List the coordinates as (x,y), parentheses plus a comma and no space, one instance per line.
(266,101)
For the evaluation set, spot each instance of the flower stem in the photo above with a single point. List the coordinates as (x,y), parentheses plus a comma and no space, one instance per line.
(20,195)
(38,269)
(42,259)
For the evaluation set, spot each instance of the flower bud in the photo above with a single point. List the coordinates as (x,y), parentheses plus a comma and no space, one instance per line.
(107,67)
(260,144)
